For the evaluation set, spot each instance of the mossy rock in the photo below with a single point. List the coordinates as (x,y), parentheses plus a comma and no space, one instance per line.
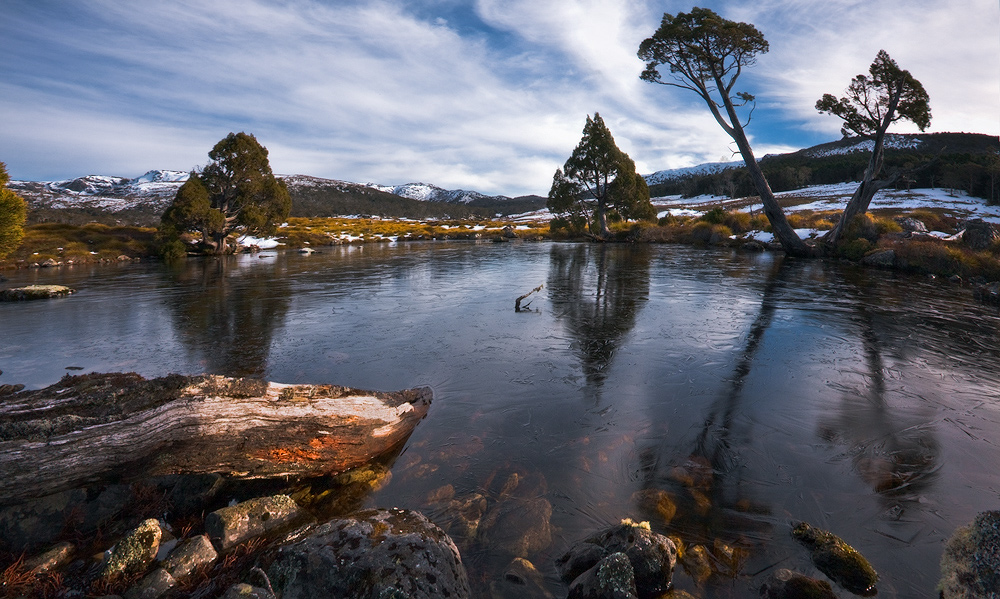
(842,563)
(33,292)
(970,565)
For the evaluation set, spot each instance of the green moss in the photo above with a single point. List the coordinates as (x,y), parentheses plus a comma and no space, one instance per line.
(839,561)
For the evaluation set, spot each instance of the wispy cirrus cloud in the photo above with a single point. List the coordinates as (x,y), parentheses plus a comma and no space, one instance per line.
(485,94)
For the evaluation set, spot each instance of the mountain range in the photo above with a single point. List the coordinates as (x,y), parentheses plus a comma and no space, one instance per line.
(143,199)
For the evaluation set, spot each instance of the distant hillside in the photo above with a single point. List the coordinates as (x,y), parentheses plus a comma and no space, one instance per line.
(963,163)
(142,200)
(312,196)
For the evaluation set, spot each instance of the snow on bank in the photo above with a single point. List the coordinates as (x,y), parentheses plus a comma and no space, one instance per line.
(835,196)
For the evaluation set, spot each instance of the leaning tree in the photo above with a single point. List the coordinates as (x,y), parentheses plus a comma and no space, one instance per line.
(243,194)
(597,178)
(873,103)
(706,54)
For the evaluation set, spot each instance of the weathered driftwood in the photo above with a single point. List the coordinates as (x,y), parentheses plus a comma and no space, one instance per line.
(101,427)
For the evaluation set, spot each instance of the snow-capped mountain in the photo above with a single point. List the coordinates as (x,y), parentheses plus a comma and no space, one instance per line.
(893,141)
(709,168)
(152,191)
(433,193)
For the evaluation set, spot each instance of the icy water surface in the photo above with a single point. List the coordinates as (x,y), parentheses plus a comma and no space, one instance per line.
(752,391)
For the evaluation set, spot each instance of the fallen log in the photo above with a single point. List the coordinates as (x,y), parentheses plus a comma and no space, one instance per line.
(100,427)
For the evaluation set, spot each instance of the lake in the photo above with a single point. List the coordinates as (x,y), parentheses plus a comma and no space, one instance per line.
(752,390)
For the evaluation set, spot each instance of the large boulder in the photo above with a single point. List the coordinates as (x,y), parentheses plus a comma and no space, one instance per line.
(652,558)
(373,553)
(970,565)
(979,234)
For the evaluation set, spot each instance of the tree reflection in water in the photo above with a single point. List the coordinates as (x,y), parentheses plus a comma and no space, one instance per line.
(596,292)
(894,452)
(226,310)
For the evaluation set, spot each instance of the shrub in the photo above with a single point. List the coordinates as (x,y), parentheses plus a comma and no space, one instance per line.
(709,234)
(855,249)
(173,251)
(862,227)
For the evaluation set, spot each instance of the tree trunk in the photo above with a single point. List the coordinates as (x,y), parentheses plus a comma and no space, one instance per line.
(783,232)
(100,427)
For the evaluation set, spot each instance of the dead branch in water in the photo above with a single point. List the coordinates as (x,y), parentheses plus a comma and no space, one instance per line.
(517,302)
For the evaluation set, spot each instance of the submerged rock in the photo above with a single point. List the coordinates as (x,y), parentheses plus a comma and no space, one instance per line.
(970,565)
(519,580)
(839,561)
(517,526)
(372,554)
(786,584)
(652,556)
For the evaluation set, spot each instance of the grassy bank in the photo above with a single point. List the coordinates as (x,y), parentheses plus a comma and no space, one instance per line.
(70,244)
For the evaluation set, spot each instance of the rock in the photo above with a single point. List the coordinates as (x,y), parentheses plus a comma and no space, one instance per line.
(651,555)
(519,580)
(697,563)
(462,515)
(988,293)
(656,501)
(753,246)
(135,552)
(188,556)
(50,263)
(611,578)
(52,559)
(970,564)
(880,259)
(374,553)
(233,525)
(509,233)
(910,224)
(154,585)
(785,584)
(10,389)
(838,560)
(245,591)
(979,234)
(517,526)
(32,292)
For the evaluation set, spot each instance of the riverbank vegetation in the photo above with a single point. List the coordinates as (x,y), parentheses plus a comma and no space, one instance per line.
(60,244)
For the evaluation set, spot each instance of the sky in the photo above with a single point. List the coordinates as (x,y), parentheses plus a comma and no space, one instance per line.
(485,95)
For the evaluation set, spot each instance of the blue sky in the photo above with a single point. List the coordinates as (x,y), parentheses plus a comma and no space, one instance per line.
(488,95)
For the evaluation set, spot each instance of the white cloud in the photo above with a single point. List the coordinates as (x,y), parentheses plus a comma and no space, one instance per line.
(371,91)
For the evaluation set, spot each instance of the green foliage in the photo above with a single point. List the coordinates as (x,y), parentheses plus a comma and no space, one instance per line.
(707,233)
(855,249)
(173,250)
(703,50)
(598,178)
(13,212)
(192,210)
(241,192)
(873,102)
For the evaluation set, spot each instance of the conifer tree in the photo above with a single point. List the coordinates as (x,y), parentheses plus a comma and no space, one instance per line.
(13,213)
(243,194)
(596,178)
